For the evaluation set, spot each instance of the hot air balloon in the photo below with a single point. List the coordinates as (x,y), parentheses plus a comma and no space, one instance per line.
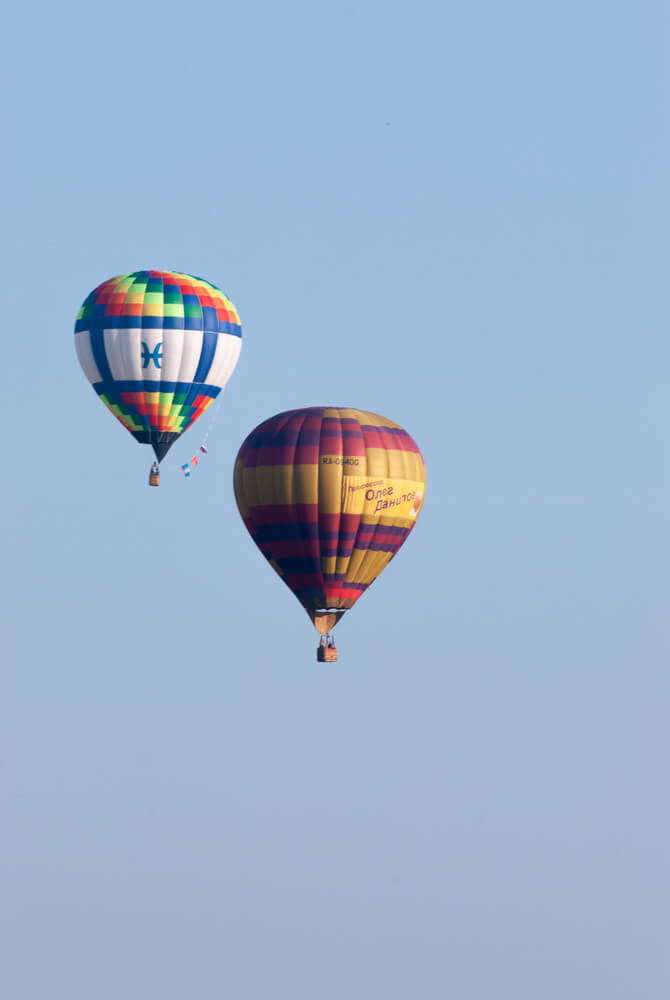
(158,347)
(329,495)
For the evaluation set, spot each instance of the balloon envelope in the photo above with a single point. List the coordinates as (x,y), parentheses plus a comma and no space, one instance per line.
(158,347)
(329,495)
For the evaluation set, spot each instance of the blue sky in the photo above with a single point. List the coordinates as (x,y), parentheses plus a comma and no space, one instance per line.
(453,214)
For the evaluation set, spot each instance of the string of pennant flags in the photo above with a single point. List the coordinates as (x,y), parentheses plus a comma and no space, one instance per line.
(186,469)
(195,461)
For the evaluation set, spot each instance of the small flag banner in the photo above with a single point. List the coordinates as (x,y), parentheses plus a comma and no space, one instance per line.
(186,469)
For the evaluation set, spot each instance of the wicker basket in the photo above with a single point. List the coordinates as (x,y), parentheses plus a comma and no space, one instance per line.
(326,654)
(154,479)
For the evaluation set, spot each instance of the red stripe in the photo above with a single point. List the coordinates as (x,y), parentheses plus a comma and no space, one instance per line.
(351,590)
(388,438)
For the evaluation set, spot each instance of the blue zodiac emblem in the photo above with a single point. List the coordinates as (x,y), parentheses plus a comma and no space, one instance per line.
(154,355)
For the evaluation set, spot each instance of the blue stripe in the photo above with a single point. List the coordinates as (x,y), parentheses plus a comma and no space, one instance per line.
(366,531)
(299,566)
(98,347)
(194,323)
(110,385)
(285,438)
(382,429)
(156,323)
(234,329)
(207,352)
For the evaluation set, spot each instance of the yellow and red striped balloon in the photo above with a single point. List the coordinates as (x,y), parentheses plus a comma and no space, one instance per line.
(329,495)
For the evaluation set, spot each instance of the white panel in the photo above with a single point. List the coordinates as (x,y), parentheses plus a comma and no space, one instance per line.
(227,352)
(190,355)
(133,353)
(113,340)
(124,353)
(173,347)
(82,345)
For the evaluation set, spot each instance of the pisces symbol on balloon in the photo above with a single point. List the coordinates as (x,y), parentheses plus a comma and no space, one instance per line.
(154,355)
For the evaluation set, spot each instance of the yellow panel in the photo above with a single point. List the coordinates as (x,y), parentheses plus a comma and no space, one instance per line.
(394,462)
(246,487)
(328,564)
(330,484)
(363,417)
(280,484)
(365,566)
(306,484)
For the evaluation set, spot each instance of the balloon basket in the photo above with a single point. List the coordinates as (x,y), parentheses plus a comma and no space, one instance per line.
(326,654)
(154,479)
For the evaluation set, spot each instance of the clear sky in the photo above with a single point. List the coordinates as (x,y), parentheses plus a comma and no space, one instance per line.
(454,214)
